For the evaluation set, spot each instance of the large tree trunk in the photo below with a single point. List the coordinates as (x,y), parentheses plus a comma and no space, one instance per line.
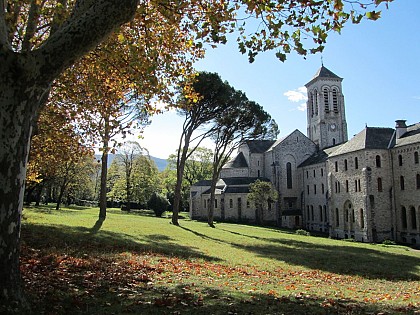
(19,102)
(102,191)
(25,80)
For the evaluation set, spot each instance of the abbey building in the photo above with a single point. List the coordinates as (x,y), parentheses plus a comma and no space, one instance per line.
(366,188)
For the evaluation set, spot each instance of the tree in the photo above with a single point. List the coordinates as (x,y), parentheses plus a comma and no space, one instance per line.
(130,151)
(200,103)
(36,46)
(241,120)
(262,194)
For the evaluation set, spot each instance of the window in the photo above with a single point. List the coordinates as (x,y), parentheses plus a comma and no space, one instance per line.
(413,218)
(379,184)
(316,101)
(307,211)
(311,101)
(337,218)
(289,175)
(323,189)
(326,100)
(356,163)
(336,166)
(404,218)
(416,157)
(307,189)
(400,160)
(325,214)
(314,173)
(335,100)
(312,213)
(322,172)
(378,161)
(307,174)
(358,185)
(347,215)
(355,185)
(205,203)
(362,219)
(320,214)
(402,182)
(231,203)
(215,203)
(345,165)
(418,181)
(258,173)
(314,189)
(353,217)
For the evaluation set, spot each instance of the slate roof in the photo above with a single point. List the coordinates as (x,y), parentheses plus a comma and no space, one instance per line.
(259,146)
(323,72)
(238,161)
(236,181)
(411,136)
(320,156)
(203,182)
(368,138)
(237,190)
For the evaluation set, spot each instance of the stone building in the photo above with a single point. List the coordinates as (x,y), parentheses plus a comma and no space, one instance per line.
(366,188)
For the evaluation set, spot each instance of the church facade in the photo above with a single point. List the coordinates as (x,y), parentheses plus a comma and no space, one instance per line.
(366,188)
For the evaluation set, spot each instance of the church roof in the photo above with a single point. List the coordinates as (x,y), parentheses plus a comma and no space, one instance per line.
(204,182)
(235,181)
(323,72)
(411,136)
(320,156)
(259,146)
(368,138)
(237,162)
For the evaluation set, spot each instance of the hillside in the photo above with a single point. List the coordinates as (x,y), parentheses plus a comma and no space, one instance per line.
(160,163)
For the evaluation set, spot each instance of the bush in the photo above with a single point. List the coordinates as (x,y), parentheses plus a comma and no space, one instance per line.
(302,232)
(158,203)
(388,242)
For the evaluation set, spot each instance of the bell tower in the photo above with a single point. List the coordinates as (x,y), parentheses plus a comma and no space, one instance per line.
(326,118)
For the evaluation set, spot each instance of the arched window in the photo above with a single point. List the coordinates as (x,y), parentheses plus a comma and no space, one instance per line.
(403,218)
(345,164)
(326,100)
(289,175)
(316,101)
(337,218)
(335,100)
(416,157)
(378,161)
(413,218)
(379,184)
(400,160)
(418,181)
(311,103)
(336,166)
(402,184)
(362,219)
(347,185)
(356,163)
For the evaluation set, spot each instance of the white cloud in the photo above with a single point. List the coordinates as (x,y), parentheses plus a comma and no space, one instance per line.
(302,107)
(296,95)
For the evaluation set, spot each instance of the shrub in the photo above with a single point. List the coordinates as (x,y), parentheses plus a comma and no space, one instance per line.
(388,242)
(158,203)
(302,232)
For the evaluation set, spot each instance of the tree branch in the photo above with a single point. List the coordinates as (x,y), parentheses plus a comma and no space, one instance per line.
(91,23)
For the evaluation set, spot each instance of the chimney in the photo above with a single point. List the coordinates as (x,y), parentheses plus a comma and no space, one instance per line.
(400,127)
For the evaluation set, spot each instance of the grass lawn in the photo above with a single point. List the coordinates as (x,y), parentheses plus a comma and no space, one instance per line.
(134,263)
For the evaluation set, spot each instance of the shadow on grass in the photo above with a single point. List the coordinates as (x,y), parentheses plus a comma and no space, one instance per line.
(81,240)
(338,258)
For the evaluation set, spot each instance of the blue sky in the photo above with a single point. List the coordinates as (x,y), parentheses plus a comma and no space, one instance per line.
(379,62)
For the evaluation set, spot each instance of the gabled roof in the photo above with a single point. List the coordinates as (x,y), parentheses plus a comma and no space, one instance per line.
(411,136)
(368,138)
(259,146)
(281,140)
(238,161)
(238,181)
(204,182)
(323,72)
(320,156)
